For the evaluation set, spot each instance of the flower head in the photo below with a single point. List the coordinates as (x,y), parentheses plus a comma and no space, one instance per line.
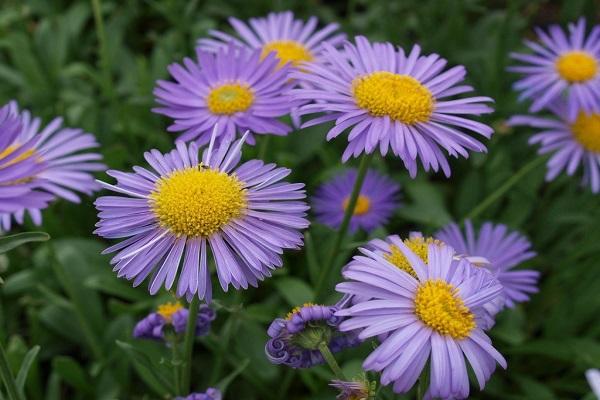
(504,249)
(233,89)
(187,208)
(377,201)
(435,315)
(359,389)
(210,394)
(388,99)
(560,65)
(294,340)
(573,141)
(173,314)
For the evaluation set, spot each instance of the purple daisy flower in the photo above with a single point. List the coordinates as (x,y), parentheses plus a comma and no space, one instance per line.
(377,201)
(233,89)
(435,314)
(152,326)
(210,394)
(562,65)
(504,249)
(392,100)
(573,142)
(294,340)
(292,40)
(243,213)
(17,167)
(65,162)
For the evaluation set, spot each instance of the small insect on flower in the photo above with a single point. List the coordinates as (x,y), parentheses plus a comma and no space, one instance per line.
(562,65)
(244,215)
(173,314)
(234,89)
(295,340)
(377,201)
(504,249)
(388,99)
(573,141)
(59,159)
(210,394)
(435,314)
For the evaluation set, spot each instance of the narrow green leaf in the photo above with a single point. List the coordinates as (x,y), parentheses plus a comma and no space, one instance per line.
(295,291)
(25,366)
(72,373)
(145,369)
(8,243)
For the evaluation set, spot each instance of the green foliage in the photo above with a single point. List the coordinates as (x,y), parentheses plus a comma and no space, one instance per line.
(69,319)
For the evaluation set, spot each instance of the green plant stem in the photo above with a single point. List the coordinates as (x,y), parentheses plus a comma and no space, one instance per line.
(8,377)
(176,362)
(326,268)
(264,146)
(330,360)
(188,344)
(103,51)
(498,193)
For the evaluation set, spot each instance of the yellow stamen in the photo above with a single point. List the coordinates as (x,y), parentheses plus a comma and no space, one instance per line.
(439,306)
(363,205)
(576,66)
(230,98)
(287,51)
(168,309)
(197,202)
(296,309)
(400,97)
(417,245)
(586,130)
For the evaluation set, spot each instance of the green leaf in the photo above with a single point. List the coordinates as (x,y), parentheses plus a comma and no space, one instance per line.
(427,205)
(72,373)
(144,367)
(26,365)
(8,243)
(295,291)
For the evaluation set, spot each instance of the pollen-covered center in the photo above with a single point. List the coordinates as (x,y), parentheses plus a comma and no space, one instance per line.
(288,51)
(363,205)
(168,309)
(400,97)
(230,98)
(417,245)
(576,66)
(197,202)
(439,306)
(586,130)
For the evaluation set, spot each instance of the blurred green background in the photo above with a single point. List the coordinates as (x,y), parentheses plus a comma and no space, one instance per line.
(62,295)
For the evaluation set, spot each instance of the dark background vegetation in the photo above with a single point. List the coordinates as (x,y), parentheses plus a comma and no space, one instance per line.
(62,295)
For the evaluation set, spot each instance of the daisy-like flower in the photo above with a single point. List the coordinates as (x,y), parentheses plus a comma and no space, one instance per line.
(234,89)
(173,314)
(561,65)
(17,188)
(573,141)
(292,40)
(294,340)
(64,162)
(504,249)
(210,394)
(434,315)
(389,99)
(377,201)
(186,208)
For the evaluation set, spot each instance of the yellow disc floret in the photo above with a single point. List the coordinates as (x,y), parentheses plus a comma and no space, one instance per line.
(196,202)
(417,245)
(363,205)
(297,309)
(230,98)
(168,309)
(288,51)
(400,97)
(439,306)
(576,66)
(586,130)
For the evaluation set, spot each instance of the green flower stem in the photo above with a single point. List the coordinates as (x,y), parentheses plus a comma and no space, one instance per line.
(103,49)
(326,268)
(264,146)
(498,193)
(330,359)
(8,377)
(176,362)
(188,344)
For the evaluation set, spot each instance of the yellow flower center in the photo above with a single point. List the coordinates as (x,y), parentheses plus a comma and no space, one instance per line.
(576,66)
(288,51)
(363,205)
(438,305)
(417,245)
(400,97)
(230,98)
(168,309)
(586,130)
(296,309)
(196,202)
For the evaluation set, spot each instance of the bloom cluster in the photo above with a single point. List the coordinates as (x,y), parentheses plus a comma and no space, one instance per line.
(174,315)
